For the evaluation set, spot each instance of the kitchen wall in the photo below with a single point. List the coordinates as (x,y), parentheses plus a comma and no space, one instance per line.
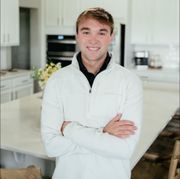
(37,42)
(36,31)
(5,54)
(168,54)
(21,54)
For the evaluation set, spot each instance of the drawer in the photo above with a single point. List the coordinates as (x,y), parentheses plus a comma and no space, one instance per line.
(5,84)
(20,81)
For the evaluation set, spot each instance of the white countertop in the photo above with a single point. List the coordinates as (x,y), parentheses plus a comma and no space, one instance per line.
(20,121)
(15,73)
(161,75)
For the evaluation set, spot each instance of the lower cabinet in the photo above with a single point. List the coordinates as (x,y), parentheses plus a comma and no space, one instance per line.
(16,88)
(23,91)
(6,96)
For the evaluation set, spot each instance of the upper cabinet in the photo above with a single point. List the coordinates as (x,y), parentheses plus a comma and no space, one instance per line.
(9,22)
(155,22)
(63,13)
(60,13)
(118,8)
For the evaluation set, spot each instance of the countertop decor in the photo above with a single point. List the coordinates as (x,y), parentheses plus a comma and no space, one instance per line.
(42,74)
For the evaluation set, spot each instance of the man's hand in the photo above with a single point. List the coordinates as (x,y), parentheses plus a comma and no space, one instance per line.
(65,123)
(120,128)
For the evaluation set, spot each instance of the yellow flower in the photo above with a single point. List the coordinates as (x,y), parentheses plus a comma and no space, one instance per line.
(43,74)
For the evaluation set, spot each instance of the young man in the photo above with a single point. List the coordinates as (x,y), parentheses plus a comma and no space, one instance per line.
(92,109)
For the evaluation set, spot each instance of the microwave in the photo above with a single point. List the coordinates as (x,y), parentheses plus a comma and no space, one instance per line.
(60,49)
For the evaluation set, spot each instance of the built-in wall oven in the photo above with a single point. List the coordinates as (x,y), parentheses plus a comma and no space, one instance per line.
(61,48)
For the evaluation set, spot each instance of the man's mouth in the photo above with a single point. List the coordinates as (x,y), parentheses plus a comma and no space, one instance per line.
(93,48)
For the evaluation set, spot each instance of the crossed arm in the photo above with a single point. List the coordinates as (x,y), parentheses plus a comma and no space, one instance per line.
(118,138)
(116,127)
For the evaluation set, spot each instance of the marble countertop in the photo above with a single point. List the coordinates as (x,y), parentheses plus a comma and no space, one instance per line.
(20,121)
(7,74)
(162,75)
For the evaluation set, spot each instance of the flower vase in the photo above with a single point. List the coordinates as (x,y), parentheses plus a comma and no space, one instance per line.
(41,87)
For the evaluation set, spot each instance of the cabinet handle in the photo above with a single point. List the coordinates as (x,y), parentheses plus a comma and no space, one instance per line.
(24,81)
(144,77)
(12,97)
(8,37)
(4,37)
(16,96)
(62,21)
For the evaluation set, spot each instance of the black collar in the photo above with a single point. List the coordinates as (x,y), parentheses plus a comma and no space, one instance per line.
(91,76)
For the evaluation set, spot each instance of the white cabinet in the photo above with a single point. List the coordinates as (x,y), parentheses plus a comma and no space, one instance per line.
(141,20)
(9,22)
(16,88)
(63,13)
(6,90)
(166,22)
(6,96)
(155,22)
(118,8)
(60,12)
(22,86)
(23,91)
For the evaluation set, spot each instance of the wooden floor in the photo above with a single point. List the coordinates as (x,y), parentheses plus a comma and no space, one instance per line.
(157,168)
(150,170)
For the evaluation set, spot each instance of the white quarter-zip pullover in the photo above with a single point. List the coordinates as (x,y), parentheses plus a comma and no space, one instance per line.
(85,152)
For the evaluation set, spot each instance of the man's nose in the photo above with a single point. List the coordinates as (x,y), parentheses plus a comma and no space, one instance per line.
(93,38)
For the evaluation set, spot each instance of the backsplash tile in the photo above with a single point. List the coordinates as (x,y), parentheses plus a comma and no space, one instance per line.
(168,54)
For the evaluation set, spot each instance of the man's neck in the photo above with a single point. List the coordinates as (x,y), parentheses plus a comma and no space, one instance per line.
(93,66)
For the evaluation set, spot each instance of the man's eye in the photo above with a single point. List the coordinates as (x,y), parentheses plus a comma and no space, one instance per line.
(85,32)
(102,33)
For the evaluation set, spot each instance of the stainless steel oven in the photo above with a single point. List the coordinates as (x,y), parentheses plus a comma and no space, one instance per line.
(61,48)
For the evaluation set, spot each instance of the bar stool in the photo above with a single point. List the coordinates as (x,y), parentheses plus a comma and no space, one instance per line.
(174,171)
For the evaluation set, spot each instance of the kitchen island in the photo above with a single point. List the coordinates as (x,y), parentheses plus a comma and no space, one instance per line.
(20,120)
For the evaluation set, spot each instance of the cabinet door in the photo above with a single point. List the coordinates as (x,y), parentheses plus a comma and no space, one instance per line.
(6,96)
(9,22)
(155,22)
(13,22)
(52,12)
(22,92)
(89,3)
(61,12)
(3,23)
(70,12)
(141,24)
(175,21)
(166,22)
(22,86)
(6,90)
(118,8)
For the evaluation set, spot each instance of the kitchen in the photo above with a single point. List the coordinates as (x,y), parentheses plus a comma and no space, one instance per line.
(139,37)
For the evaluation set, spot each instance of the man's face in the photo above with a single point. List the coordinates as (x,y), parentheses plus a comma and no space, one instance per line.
(93,39)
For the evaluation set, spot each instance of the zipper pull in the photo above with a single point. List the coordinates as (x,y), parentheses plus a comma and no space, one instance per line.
(90,90)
